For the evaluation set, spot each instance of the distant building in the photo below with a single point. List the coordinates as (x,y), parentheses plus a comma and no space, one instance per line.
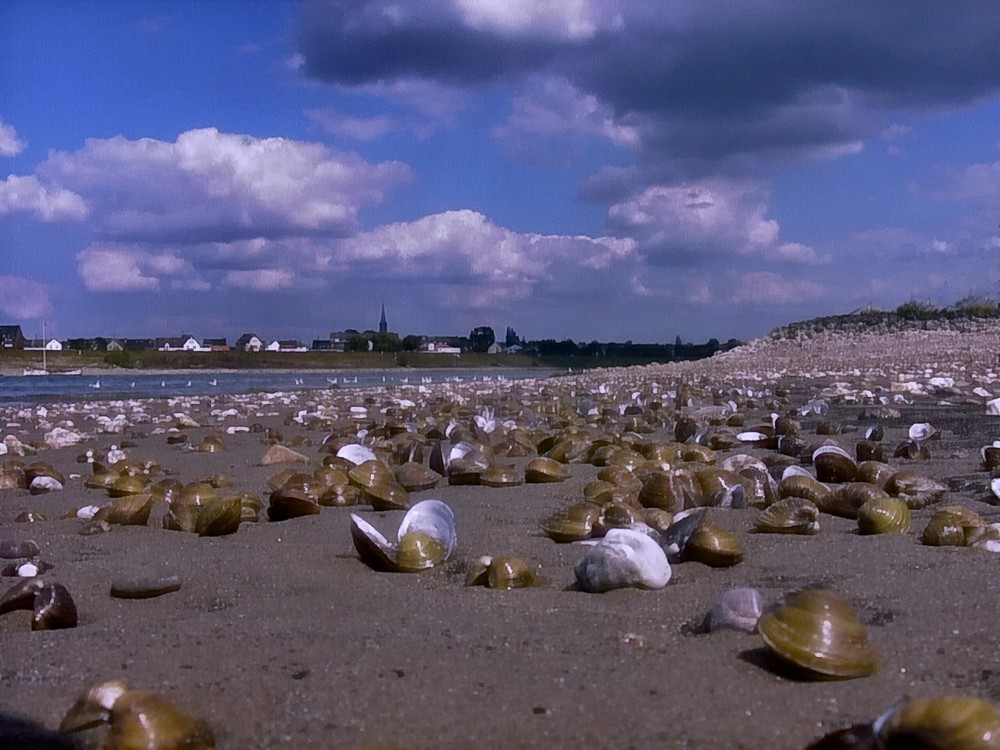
(383,324)
(338,341)
(11,337)
(495,348)
(216,345)
(114,345)
(36,345)
(440,346)
(322,345)
(139,345)
(288,345)
(185,342)
(249,342)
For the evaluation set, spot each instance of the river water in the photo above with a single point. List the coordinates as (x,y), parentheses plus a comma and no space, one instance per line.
(122,385)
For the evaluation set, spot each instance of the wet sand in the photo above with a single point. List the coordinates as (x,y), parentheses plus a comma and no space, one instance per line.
(281,637)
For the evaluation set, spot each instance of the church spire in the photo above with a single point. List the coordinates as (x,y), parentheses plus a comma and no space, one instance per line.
(383,326)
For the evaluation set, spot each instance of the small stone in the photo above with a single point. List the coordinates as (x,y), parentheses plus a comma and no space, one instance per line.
(144,586)
(11,549)
(280,454)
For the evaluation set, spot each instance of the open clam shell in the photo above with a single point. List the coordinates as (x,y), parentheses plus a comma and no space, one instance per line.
(426,537)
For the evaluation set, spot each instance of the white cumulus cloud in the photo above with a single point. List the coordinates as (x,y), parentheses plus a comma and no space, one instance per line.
(213,186)
(48,203)
(10,144)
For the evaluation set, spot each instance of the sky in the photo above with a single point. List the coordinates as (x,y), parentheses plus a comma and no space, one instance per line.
(605,170)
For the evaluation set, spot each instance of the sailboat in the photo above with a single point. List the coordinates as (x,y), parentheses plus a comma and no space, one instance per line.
(44,370)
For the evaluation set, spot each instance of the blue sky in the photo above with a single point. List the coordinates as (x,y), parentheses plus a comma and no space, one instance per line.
(592,170)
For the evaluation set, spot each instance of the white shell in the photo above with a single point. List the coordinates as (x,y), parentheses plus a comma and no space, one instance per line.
(737,609)
(993,407)
(623,558)
(46,484)
(921,431)
(357,454)
(830,449)
(751,437)
(431,517)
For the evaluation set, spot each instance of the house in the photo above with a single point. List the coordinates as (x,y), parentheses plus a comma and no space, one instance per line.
(288,345)
(338,341)
(440,346)
(322,345)
(215,345)
(11,337)
(495,348)
(185,342)
(114,345)
(36,345)
(248,342)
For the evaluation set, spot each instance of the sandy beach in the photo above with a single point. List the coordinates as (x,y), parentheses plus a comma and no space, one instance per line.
(280,636)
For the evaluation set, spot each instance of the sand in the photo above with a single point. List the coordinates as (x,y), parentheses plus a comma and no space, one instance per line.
(281,637)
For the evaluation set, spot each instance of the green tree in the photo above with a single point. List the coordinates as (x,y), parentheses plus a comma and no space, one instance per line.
(481,339)
(411,343)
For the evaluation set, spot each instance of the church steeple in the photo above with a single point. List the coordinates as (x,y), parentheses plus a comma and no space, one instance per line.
(383,326)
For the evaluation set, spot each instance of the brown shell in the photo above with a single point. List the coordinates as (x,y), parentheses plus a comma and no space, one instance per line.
(414,477)
(504,572)
(799,485)
(820,635)
(875,472)
(130,510)
(884,515)
(501,476)
(943,722)
(289,503)
(386,495)
(219,517)
(793,515)
(572,524)
(834,465)
(951,527)
(916,489)
(542,470)
(713,546)
(847,499)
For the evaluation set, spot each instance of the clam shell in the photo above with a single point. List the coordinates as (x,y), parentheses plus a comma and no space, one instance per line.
(834,465)
(623,558)
(803,485)
(414,477)
(138,719)
(426,537)
(884,515)
(793,515)
(820,635)
(542,470)
(847,499)
(504,572)
(916,489)
(501,476)
(951,526)
(736,609)
(286,503)
(130,510)
(572,524)
(219,517)
(948,722)
(713,546)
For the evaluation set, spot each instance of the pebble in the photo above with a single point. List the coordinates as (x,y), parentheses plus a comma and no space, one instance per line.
(144,586)
(12,549)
